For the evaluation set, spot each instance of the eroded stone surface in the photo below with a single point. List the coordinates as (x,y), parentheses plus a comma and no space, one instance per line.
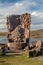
(18,30)
(36,48)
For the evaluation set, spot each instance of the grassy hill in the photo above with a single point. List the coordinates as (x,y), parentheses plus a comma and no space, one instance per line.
(37,33)
(3,33)
(33,34)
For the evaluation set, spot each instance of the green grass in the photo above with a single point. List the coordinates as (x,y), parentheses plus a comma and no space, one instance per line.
(21,60)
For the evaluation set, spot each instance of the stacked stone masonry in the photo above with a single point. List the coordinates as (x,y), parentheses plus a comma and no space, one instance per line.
(18,31)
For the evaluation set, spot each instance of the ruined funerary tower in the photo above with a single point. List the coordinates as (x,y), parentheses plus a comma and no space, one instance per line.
(18,31)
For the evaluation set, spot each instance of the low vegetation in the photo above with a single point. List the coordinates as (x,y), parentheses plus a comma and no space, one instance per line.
(20,59)
(3,33)
(36,34)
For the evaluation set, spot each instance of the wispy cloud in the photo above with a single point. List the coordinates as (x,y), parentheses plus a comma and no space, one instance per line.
(38,14)
(35,7)
(35,27)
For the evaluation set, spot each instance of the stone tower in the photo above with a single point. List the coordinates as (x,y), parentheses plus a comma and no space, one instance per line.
(18,31)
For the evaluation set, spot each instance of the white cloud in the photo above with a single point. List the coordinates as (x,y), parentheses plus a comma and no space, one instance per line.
(3,20)
(4,12)
(34,14)
(16,8)
(19,8)
(36,27)
(3,26)
(38,14)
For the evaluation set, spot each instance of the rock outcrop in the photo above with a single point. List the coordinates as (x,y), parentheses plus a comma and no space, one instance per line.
(36,48)
(18,31)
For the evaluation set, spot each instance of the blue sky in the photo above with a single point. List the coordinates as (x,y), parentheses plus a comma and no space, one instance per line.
(34,7)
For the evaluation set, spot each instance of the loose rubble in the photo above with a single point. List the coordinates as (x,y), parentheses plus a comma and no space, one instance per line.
(36,48)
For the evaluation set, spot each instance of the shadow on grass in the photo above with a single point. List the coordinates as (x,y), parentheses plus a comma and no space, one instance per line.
(33,56)
(3,58)
(5,64)
(9,55)
(2,61)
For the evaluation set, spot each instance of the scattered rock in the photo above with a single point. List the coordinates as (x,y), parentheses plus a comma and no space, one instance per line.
(36,48)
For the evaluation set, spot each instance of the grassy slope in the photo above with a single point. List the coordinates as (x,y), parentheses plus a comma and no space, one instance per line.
(34,34)
(37,33)
(21,60)
(3,33)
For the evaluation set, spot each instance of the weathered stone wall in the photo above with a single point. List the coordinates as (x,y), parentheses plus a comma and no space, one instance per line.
(18,30)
